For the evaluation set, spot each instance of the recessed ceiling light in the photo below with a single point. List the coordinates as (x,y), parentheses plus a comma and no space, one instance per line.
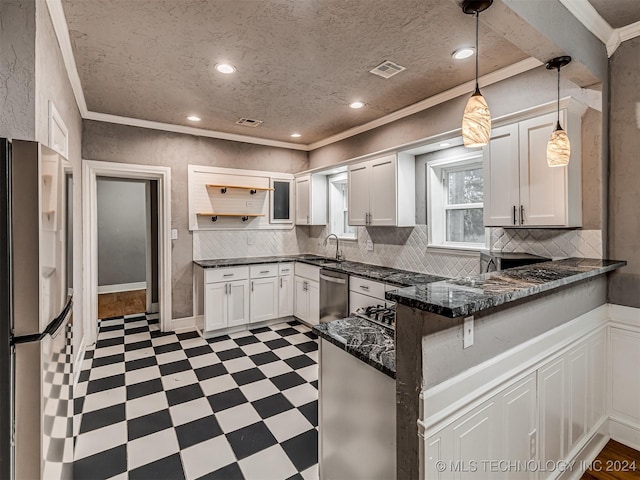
(225,68)
(463,53)
(356,104)
(193,118)
(296,135)
(445,144)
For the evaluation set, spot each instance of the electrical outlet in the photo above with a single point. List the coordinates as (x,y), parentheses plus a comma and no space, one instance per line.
(174,234)
(249,239)
(250,204)
(369,246)
(467,336)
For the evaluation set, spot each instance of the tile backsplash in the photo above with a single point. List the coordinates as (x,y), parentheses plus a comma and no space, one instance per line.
(403,248)
(548,242)
(254,243)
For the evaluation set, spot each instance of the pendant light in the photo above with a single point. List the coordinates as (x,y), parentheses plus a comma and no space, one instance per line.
(558,147)
(476,121)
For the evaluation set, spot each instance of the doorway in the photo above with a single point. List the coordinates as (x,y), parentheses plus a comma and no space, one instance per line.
(127,246)
(139,276)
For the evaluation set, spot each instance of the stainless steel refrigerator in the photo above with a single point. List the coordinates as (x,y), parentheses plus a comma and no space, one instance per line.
(36,411)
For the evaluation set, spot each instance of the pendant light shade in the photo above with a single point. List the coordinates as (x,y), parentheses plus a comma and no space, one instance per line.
(476,120)
(558,147)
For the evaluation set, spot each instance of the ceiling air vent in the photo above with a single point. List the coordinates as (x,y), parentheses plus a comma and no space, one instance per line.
(249,122)
(387,69)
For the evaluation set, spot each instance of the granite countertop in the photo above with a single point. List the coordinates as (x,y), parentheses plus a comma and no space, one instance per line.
(393,276)
(465,296)
(371,343)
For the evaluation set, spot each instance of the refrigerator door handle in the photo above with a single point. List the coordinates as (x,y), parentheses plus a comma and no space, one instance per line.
(52,329)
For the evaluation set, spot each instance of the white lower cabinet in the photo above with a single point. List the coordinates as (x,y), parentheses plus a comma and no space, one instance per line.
(264,299)
(542,418)
(307,300)
(285,296)
(226,304)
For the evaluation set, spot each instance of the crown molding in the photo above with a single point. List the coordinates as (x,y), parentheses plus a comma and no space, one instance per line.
(463,89)
(590,18)
(200,132)
(61,29)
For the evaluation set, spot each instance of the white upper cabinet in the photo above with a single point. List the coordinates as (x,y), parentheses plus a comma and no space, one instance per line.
(382,191)
(520,189)
(311,200)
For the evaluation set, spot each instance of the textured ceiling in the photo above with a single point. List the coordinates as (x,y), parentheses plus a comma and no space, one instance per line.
(618,13)
(299,62)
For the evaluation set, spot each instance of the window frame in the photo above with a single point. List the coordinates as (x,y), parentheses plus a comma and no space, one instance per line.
(437,200)
(341,210)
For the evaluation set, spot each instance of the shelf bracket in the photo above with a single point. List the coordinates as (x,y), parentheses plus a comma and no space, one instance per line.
(245,218)
(223,190)
(253,191)
(214,218)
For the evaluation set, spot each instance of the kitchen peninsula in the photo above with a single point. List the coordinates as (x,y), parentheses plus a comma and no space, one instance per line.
(538,330)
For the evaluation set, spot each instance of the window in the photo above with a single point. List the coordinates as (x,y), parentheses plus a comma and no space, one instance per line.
(455,201)
(338,207)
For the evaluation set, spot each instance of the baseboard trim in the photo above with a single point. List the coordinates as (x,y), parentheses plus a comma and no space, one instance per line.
(182,323)
(624,432)
(122,287)
(77,363)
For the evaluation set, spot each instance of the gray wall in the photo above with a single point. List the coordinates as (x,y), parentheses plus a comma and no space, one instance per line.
(17,69)
(118,143)
(624,193)
(122,231)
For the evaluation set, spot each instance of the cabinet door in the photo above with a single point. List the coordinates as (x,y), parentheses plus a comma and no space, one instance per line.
(264,299)
(238,303)
(301,299)
(215,306)
(501,178)
(519,422)
(313,292)
(358,180)
(543,189)
(285,296)
(553,418)
(383,196)
(303,194)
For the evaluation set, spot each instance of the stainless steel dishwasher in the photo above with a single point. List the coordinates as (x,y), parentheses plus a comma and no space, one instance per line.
(334,295)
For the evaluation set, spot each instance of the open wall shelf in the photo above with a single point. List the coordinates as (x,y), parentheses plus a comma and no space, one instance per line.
(252,190)
(243,216)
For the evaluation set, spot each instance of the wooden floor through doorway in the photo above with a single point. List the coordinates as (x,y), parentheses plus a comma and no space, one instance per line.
(121,303)
(615,462)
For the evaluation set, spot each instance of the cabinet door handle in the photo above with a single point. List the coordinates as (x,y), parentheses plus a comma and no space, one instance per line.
(364,287)
(280,282)
(305,286)
(252,286)
(262,272)
(521,214)
(226,289)
(515,222)
(228,275)
(307,219)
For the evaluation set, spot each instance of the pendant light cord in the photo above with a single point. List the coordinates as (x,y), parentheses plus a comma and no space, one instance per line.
(477,47)
(558,124)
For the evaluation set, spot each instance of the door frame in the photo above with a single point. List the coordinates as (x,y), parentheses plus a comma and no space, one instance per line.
(91,169)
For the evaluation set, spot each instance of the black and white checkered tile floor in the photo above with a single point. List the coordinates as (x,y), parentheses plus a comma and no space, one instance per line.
(173,406)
